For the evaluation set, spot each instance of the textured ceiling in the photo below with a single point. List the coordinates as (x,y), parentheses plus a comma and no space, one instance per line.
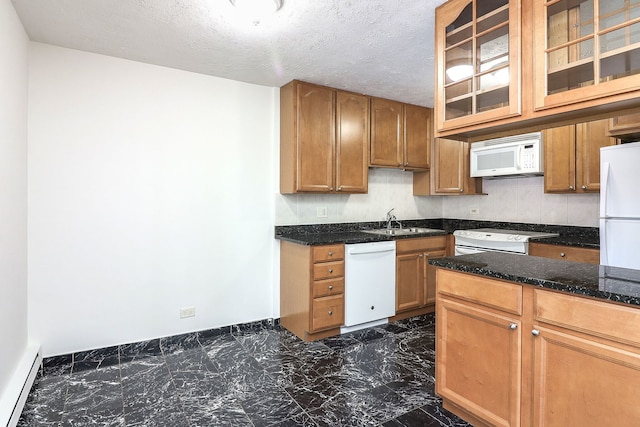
(378,47)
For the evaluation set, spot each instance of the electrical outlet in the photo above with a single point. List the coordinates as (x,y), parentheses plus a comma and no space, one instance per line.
(321,212)
(474,211)
(187,312)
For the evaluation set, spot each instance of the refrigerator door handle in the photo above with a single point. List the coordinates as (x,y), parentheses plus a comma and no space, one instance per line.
(604,187)
(604,256)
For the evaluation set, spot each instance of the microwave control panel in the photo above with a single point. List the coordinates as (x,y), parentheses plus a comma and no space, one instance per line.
(529,157)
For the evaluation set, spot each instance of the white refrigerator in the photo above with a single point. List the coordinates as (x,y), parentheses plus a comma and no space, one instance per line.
(620,205)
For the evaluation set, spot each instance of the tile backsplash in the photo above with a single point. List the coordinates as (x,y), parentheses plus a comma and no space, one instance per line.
(508,199)
(523,200)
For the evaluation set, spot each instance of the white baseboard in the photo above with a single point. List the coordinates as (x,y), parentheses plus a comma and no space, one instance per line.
(15,395)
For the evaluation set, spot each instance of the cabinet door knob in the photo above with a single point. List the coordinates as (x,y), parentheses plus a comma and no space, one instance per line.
(584,187)
(535,332)
(331,270)
(571,187)
(462,190)
(562,254)
(513,326)
(330,287)
(330,188)
(420,256)
(427,254)
(340,188)
(330,313)
(330,253)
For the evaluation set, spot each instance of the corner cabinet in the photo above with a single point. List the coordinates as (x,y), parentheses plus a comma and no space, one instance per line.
(584,50)
(572,157)
(450,174)
(415,279)
(477,62)
(324,140)
(400,135)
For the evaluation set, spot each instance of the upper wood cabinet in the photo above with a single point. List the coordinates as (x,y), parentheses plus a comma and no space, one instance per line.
(572,157)
(477,62)
(625,127)
(400,135)
(505,67)
(324,140)
(450,171)
(585,50)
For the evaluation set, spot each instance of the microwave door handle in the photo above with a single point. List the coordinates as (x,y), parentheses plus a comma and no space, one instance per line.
(519,158)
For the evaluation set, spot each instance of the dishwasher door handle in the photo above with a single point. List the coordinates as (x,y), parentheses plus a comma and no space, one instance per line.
(370,250)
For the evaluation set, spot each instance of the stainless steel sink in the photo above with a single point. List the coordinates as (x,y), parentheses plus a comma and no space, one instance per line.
(402,231)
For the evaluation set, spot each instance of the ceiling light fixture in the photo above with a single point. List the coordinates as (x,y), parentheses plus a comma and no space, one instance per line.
(257,10)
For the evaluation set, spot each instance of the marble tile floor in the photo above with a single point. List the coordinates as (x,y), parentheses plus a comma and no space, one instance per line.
(248,375)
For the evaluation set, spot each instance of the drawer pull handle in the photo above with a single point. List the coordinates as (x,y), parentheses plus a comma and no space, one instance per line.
(331,287)
(562,254)
(512,326)
(535,332)
(330,253)
(330,313)
(331,270)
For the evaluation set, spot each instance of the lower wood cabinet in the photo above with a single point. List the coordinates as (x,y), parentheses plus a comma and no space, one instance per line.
(311,289)
(513,355)
(415,279)
(567,253)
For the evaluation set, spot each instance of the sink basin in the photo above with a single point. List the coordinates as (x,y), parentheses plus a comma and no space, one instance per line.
(401,231)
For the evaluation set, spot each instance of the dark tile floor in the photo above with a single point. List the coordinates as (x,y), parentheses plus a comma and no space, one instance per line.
(249,375)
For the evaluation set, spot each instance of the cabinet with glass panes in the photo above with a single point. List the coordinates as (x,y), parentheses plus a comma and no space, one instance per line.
(478,62)
(589,49)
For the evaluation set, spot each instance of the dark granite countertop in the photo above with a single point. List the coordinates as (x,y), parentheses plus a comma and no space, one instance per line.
(588,242)
(602,282)
(326,234)
(348,233)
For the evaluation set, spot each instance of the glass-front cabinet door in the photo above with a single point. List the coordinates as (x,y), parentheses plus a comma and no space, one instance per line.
(585,49)
(478,62)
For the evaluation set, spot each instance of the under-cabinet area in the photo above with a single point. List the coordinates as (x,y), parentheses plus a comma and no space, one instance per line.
(510,352)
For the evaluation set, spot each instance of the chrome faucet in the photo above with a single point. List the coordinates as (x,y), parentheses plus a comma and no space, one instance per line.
(391,218)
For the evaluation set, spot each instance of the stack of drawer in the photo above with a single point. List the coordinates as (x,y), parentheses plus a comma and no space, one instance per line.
(328,287)
(312,289)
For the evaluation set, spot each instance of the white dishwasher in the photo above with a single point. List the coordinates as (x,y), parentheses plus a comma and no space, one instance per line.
(369,284)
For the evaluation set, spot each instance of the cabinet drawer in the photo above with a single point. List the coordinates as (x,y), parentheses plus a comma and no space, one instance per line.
(488,292)
(324,288)
(421,244)
(328,312)
(328,253)
(567,253)
(603,319)
(328,270)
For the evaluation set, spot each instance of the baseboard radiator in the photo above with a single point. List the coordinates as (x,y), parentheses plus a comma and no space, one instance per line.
(15,395)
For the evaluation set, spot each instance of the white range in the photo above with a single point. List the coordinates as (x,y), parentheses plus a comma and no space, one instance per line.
(495,240)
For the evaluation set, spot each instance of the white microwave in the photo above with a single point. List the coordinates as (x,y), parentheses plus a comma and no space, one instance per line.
(513,155)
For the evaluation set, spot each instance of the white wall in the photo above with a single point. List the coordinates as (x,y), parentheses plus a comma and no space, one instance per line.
(13,193)
(150,189)
(524,200)
(388,188)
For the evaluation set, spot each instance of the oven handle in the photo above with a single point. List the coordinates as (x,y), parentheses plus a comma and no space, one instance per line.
(464,250)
